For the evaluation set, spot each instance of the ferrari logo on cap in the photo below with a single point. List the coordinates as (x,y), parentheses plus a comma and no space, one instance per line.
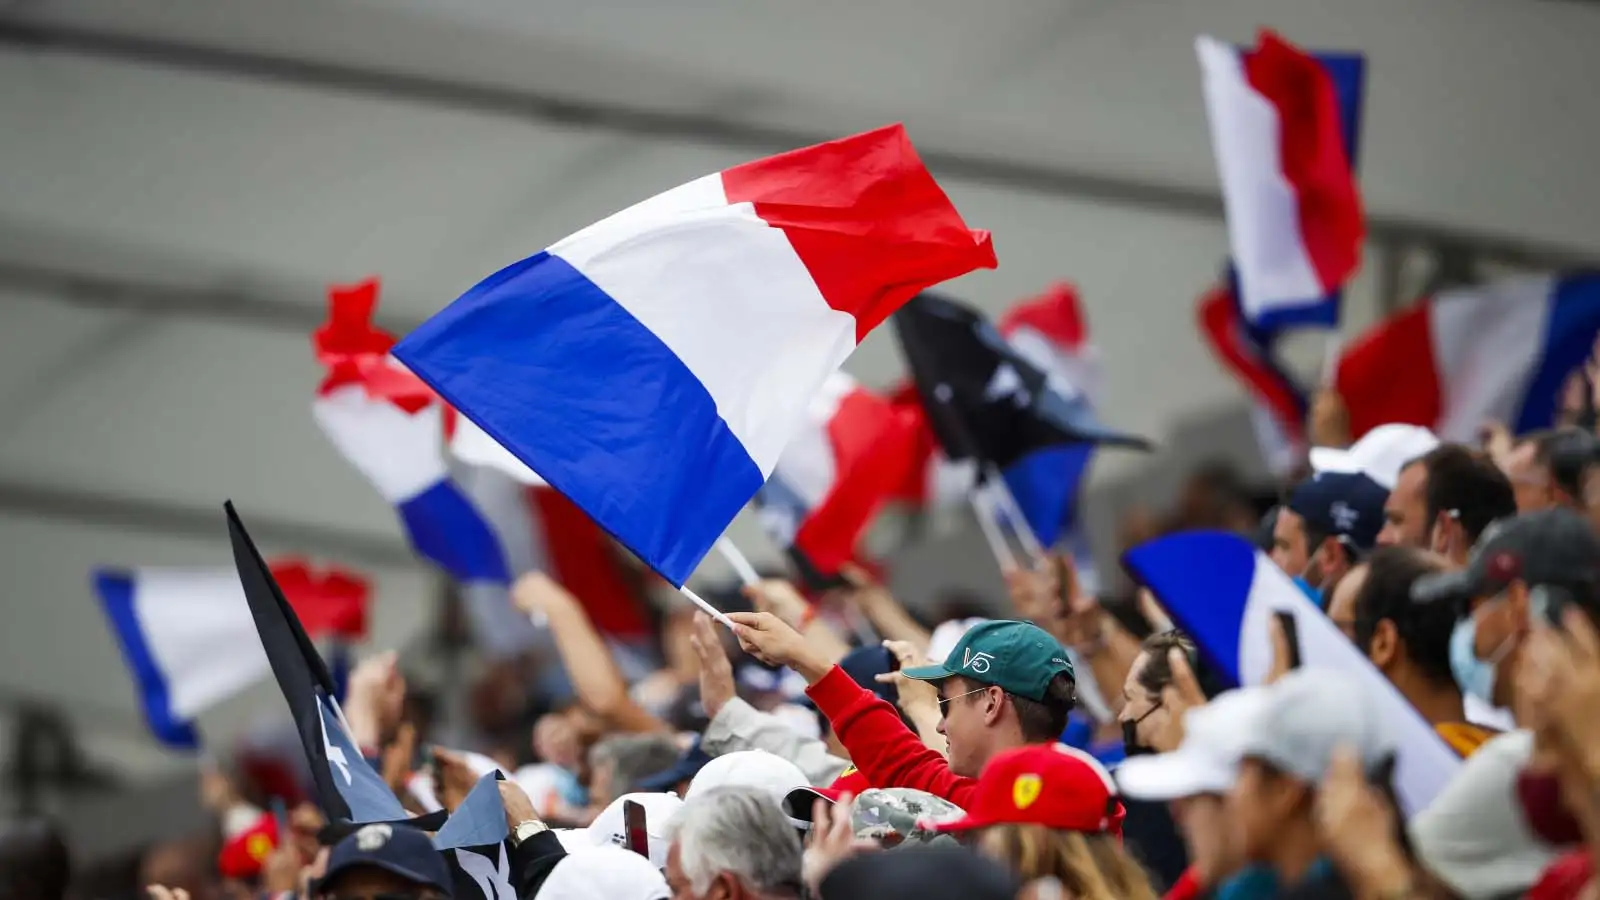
(1025,790)
(258,846)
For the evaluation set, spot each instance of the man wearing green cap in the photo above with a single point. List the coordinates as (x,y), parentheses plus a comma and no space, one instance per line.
(1005,684)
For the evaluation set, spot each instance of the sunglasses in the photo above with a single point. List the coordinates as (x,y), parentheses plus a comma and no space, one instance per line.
(944,702)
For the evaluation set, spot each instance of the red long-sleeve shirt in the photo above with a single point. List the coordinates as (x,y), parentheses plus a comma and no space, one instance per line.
(887,752)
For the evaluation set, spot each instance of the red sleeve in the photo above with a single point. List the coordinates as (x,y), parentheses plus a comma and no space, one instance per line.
(1187,887)
(880,744)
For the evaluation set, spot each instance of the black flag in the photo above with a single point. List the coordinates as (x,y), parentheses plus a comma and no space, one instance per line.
(349,791)
(984,401)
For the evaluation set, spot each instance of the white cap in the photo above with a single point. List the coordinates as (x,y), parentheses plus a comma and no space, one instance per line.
(749,768)
(609,829)
(1207,762)
(605,873)
(944,638)
(1310,712)
(1380,454)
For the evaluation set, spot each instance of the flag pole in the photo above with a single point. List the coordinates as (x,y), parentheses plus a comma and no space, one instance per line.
(1001,493)
(706,607)
(991,530)
(740,563)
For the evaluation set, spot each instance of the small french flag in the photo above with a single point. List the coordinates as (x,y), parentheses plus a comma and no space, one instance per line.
(189,640)
(1294,214)
(1463,358)
(837,472)
(653,366)
(391,427)
(1223,592)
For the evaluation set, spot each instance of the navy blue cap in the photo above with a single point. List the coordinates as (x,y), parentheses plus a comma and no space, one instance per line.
(397,849)
(865,664)
(1347,505)
(687,766)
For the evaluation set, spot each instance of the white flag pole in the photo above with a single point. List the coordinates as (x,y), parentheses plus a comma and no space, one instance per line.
(1001,493)
(991,530)
(709,610)
(736,558)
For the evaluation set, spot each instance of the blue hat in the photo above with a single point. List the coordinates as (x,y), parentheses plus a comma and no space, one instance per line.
(397,849)
(1346,505)
(688,765)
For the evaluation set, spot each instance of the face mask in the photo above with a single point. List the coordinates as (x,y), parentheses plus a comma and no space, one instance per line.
(1315,594)
(1473,675)
(1130,735)
(1540,796)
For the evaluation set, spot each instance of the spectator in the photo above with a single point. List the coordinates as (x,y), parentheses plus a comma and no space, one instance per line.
(385,860)
(1161,686)
(604,873)
(1052,811)
(618,763)
(1330,521)
(1444,500)
(1194,778)
(1004,684)
(925,873)
(1523,568)
(1305,718)
(1408,642)
(734,843)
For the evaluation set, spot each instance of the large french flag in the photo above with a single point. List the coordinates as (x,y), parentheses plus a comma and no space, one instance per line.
(392,428)
(1465,357)
(189,641)
(653,366)
(1283,126)
(837,472)
(1223,592)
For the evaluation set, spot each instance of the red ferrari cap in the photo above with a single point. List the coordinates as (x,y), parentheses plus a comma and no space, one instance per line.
(1044,784)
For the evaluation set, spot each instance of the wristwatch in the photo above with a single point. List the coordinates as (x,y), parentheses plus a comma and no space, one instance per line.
(527,829)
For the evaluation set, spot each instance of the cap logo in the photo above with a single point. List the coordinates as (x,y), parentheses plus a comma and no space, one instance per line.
(258,846)
(373,837)
(1026,789)
(977,662)
(1344,515)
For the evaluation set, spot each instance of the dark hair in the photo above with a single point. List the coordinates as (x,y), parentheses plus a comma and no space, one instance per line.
(1424,628)
(1469,483)
(1045,720)
(1157,673)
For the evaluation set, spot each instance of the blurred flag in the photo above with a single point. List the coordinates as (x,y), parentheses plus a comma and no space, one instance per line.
(391,427)
(836,473)
(188,639)
(1224,592)
(1051,332)
(653,366)
(1283,150)
(983,399)
(1463,358)
(1278,404)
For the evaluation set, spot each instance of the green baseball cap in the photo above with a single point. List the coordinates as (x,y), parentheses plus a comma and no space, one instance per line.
(1019,657)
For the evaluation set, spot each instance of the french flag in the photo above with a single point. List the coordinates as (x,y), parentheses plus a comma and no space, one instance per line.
(1284,144)
(1277,402)
(653,366)
(1223,592)
(391,427)
(837,472)
(1466,357)
(187,636)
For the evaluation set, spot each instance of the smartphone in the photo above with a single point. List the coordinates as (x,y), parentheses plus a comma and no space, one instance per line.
(280,815)
(1291,634)
(633,822)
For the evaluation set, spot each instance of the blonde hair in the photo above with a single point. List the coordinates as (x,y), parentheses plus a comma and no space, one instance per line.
(1089,866)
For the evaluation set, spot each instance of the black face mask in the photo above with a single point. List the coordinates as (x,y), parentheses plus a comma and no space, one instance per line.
(1130,735)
